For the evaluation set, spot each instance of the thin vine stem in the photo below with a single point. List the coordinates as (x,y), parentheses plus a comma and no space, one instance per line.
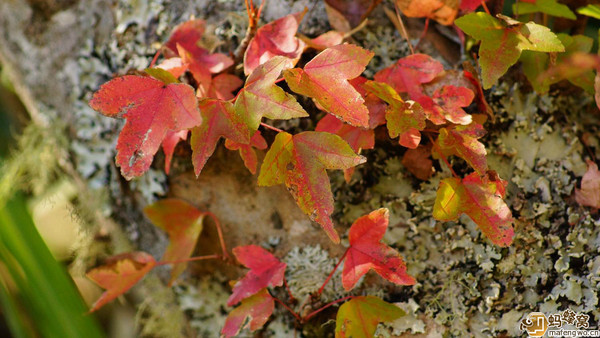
(271,127)
(287,287)
(191,259)
(403,28)
(441,154)
(485,8)
(317,311)
(297,316)
(332,272)
(220,233)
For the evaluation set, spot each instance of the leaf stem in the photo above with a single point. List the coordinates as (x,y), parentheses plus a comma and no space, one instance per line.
(441,154)
(297,316)
(220,233)
(404,32)
(271,127)
(312,314)
(332,272)
(287,287)
(153,62)
(485,8)
(191,259)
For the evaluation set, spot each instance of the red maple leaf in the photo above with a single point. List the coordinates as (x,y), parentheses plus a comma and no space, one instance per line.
(152,109)
(183,223)
(258,307)
(119,274)
(325,79)
(169,144)
(186,36)
(408,73)
(366,252)
(479,198)
(265,270)
(220,120)
(446,105)
(246,150)
(589,194)
(418,162)
(299,161)
(275,38)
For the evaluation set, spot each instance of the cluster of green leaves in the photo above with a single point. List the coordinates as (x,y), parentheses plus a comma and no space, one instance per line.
(413,97)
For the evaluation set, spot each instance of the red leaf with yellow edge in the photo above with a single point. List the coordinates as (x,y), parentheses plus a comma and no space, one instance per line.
(325,79)
(300,162)
(366,252)
(152,108)
(404,119)
(503,40)
(357,138)
(169,144)
(261,97)
(462,142)
(119,274)
(258,307)
(246,152)
(220,120)
(275,38)
(442,11)
(265,270)
(359,317)
(446,105)
(482,200)
(589,194)
(408,73)
(183,223)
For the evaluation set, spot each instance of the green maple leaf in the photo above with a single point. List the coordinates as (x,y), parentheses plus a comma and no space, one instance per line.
(359,316)
(503,40)
(550,7)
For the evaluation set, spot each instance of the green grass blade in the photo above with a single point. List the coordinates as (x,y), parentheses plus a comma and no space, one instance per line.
(49,295)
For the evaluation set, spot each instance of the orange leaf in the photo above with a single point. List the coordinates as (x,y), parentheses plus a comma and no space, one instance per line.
(183,223)
(119,274)
(442,11)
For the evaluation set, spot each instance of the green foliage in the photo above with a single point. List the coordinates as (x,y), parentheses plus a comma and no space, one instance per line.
(51,305)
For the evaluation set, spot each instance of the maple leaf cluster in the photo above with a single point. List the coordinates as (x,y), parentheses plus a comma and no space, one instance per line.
(193,95)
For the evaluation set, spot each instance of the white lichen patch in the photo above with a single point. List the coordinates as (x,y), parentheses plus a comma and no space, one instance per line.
(307,269)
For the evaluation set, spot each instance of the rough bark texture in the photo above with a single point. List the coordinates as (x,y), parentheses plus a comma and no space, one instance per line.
(59,52)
